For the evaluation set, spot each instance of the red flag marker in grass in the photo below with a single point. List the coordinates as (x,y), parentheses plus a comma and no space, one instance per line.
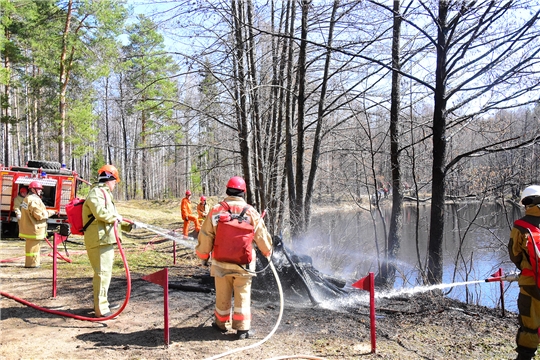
(162,278)
(368,283)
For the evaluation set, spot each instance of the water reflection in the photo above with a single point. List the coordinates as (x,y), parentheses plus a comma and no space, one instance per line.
(346,244)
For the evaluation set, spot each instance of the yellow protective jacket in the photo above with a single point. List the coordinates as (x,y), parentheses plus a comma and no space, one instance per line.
(262,238)
(517,246)
(17,205)
(185,208)
(34,215)
(99,203)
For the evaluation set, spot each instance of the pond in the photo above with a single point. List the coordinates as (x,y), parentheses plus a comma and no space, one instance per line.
(346,244)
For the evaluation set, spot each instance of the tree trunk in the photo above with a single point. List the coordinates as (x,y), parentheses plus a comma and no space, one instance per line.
(7,113)
(258,150)
(299,226)
(127,172)
(107,135)
(289,115)
(64,76)
(438,187)
(144,154)
(242,120)
(320,117)
(388,270)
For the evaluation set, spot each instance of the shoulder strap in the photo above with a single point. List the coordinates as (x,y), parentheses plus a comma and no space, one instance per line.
(226,206)
(529,226)
(244,211)
(91,216)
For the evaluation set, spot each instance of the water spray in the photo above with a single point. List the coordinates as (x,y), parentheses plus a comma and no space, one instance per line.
(162,232)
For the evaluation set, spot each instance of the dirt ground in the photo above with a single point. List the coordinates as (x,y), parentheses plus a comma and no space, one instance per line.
(424,326)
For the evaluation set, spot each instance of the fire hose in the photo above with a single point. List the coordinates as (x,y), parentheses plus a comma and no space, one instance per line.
(128,293)
(281,301)
(281,306)
(79,317)
(508,278)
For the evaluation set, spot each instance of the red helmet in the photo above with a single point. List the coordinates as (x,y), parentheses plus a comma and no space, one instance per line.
(35,185)
(236,182)
(188,192)
(203,198)
(110,171)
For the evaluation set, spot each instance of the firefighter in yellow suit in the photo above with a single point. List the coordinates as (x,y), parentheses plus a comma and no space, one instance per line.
(33,223)
(232,279)
(100,235)
(529,295)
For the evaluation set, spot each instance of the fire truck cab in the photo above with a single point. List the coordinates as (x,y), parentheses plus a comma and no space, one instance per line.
(59,187)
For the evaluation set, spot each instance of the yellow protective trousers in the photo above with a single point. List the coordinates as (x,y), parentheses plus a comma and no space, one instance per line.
(240,287)
(529,320)
(32,249)
(101,259)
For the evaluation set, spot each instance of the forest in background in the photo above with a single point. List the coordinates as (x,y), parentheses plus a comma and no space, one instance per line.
(310,101)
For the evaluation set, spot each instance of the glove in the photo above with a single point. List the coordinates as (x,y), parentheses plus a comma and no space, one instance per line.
(126,227)
(119,218)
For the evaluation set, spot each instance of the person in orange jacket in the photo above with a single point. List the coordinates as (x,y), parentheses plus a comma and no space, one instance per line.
(187,216)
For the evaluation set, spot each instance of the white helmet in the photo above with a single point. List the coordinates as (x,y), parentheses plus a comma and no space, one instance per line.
(530,191)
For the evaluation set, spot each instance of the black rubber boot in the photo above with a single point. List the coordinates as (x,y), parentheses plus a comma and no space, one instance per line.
(525,353)
(244,334)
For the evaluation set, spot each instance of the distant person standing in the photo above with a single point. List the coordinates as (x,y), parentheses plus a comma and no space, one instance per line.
(202,209)
(33,223)
(187,215)
(522,254)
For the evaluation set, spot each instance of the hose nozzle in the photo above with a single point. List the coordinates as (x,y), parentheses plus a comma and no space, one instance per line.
(509,278)
(140,225)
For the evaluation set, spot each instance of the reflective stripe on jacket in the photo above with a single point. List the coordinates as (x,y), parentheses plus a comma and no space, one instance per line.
(34,215)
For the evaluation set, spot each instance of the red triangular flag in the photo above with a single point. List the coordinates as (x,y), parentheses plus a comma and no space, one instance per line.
(161,278)
(363,283)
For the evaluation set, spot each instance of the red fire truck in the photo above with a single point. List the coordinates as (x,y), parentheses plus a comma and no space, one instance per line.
(59,187)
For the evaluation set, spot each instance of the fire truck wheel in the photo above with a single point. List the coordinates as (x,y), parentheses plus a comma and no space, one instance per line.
(44,164)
